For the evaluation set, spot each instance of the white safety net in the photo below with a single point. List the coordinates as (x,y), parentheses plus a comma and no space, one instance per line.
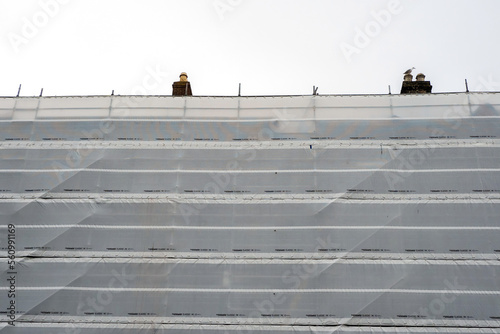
(159,214)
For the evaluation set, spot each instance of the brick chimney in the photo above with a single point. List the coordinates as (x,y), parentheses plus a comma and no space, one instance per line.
(416,87)
(182,87)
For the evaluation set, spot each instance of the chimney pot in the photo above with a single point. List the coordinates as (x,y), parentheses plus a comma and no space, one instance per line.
(182,87)
(420,77)
(408,77)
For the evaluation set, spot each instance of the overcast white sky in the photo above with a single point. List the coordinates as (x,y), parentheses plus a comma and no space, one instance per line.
(273,47)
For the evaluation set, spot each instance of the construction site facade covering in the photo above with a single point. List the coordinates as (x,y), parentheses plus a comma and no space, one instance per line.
(284,214)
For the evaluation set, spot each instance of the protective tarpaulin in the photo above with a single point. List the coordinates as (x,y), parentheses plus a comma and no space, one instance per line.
(159,214)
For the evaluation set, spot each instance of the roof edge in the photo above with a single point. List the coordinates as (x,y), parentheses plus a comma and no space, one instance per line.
(252,96)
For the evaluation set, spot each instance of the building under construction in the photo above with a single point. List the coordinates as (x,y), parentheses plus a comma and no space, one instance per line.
(257,214)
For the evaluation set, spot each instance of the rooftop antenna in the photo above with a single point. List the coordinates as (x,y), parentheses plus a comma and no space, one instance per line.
(41,92)
(19,90)
(239,89)
(466,86)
